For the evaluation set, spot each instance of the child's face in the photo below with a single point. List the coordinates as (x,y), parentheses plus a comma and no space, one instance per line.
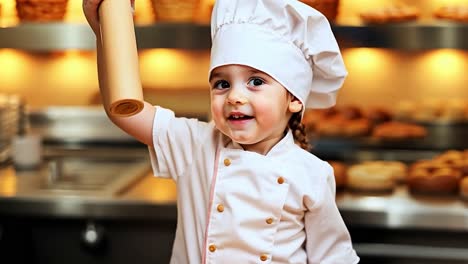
(250,107)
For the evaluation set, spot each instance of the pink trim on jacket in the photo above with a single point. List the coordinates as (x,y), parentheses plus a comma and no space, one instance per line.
(213,184)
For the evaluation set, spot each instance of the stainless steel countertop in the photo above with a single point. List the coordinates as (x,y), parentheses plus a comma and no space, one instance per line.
(402,209)
(155,198)
(131,194)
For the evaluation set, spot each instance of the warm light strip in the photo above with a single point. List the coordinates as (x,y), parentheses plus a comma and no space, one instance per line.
(445,63)
(170,68)
(366,60)
(14,67)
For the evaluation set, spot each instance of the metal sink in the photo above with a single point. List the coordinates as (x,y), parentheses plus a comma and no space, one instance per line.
(91,172)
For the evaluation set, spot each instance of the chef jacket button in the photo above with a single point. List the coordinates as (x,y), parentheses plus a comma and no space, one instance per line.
(269,221)
(227,162)
(280,180)
(220,208)
(212,248)
(264,257)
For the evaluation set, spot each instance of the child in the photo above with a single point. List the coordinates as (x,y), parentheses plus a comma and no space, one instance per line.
(246,192)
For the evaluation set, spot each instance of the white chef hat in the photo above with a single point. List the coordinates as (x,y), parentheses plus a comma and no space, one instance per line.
(290,41)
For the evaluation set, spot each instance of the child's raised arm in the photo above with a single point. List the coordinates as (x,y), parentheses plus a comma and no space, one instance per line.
(139,125)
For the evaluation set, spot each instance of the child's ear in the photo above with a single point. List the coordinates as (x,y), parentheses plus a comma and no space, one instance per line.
(295,105)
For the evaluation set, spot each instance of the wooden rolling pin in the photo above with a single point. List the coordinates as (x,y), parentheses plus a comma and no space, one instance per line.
(120,58)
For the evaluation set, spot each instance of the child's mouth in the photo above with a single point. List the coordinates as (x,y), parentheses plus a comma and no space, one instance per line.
(239,117)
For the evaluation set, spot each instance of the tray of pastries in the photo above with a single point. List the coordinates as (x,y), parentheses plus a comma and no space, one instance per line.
(352,121)
(390,14)
(455,13)
(445,174)
(437,125)
(433,111)
(369,176)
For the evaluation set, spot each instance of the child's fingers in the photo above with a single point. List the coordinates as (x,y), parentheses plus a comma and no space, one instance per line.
(132,3)
(90,9)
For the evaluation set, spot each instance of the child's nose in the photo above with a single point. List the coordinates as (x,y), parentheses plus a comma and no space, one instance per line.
(236,96)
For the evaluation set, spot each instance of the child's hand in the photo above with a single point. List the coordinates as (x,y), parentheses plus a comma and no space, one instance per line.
(90,9)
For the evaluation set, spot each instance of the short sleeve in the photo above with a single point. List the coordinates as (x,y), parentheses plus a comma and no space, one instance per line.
(328,239)
(175,140)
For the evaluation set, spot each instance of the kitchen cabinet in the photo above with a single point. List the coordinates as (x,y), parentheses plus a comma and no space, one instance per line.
(79,240)
(63,36)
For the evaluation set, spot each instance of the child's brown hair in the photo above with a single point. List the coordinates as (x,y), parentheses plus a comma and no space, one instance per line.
(299,131)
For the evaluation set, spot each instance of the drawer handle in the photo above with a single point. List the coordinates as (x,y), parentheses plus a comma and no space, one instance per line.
(93,236)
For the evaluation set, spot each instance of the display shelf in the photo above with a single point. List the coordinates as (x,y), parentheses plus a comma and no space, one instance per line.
(64,36)
(404,36)
(43,37)
(440,137)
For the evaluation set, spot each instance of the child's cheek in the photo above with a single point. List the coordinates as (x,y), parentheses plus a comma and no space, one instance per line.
(216,111)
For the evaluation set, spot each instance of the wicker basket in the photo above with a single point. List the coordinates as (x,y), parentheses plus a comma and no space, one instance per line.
(41,10)
(175,10)
(329,8)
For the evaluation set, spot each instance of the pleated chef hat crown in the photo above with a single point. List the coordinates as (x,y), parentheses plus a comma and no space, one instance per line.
(288,40)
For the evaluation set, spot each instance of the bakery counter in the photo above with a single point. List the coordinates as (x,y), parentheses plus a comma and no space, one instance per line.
(149,197)
(405,228)
(104,183)
(402,209)
(389,225)
(132,218)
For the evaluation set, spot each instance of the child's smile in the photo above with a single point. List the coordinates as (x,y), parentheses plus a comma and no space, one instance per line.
(239,119)
(249,106)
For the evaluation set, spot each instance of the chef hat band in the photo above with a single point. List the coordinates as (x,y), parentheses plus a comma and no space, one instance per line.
(286,39)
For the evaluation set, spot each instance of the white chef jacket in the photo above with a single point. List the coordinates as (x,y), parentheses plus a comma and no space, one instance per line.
(236,206)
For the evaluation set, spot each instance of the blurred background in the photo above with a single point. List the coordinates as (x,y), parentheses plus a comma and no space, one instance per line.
(379,75)
(396,139)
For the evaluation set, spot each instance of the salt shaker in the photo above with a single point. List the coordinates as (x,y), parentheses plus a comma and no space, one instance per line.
(26,146)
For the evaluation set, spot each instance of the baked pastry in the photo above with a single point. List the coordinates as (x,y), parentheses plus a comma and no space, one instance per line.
(457,13)
(311,118)
(339,170)
(433,178)
(456,159)
(452,155)
(371,177)
(378,115)
(351,112)
(451,158)
(390,14)
(358,127)
(398,169)
(41,10)
(396,130)
(332,126)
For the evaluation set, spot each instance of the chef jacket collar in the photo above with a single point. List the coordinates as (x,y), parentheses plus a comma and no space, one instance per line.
(278,149)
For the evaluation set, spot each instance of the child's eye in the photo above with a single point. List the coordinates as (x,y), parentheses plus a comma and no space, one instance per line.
(256,82)
(221,85)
